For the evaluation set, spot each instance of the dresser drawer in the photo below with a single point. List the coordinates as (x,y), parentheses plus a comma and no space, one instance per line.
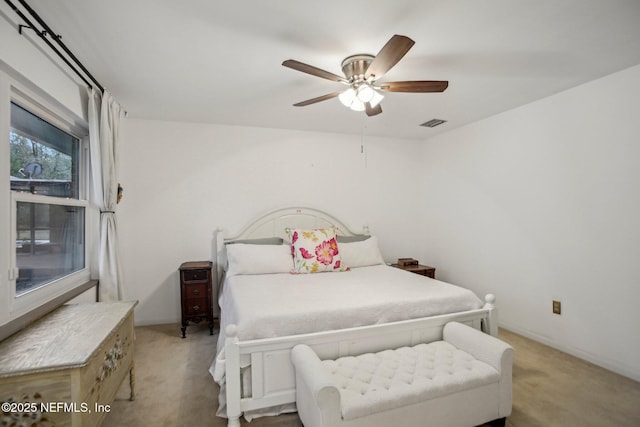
(43,387)
(195,275)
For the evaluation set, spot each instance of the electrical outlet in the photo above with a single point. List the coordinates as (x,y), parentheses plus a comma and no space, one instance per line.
(557,308)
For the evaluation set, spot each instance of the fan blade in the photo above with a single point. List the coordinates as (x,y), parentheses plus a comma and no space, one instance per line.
(314,71)
(372,111)
(389,55)
(415,86)
(318,99)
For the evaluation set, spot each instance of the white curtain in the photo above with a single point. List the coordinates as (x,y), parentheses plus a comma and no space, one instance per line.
(105,115)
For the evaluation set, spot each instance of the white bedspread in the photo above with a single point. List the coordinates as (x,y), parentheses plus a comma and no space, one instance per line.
(270,305)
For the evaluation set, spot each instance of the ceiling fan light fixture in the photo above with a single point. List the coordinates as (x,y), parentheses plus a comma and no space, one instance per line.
(365,92)
(376,99)
(358,97)
(357,105)
(347,97)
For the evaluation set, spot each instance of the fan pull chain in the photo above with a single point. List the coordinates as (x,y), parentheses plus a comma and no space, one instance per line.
(363,151)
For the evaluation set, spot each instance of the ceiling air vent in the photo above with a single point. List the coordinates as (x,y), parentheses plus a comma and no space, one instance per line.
(433,123)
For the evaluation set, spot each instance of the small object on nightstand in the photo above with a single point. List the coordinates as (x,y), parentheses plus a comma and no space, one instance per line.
(195,294)
(414,266)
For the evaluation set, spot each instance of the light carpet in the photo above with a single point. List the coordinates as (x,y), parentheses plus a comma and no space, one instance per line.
(550,388)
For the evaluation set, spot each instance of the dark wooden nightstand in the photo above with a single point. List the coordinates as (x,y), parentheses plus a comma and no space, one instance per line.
(196,294)
(424,270)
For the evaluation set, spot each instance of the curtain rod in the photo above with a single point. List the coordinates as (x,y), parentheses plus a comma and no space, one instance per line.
(43,35)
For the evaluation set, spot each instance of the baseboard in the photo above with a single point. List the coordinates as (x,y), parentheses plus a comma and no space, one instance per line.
(610,365)
(155,322)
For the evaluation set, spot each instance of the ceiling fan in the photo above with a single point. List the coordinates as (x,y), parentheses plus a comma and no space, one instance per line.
(361,74)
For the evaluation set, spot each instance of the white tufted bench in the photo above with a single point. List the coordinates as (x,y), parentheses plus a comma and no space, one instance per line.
(463,380)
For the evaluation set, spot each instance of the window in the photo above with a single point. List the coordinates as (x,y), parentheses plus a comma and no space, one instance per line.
(48,204)
(44,159)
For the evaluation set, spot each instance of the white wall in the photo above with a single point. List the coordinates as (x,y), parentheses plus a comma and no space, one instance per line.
(183,180)
(27,58)
(542,203)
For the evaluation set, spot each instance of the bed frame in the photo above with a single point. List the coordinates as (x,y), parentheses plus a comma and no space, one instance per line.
(272,373)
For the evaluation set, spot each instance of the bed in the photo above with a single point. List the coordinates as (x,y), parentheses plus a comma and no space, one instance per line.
(359,305)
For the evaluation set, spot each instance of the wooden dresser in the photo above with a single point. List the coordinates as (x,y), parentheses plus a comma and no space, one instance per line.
(196,293)
(66,368)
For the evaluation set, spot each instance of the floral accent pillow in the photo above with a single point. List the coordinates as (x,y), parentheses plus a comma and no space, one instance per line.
(315,251)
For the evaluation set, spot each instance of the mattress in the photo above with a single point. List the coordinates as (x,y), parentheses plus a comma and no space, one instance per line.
(272,305)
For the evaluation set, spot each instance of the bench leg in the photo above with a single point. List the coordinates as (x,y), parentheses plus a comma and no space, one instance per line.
(500,422)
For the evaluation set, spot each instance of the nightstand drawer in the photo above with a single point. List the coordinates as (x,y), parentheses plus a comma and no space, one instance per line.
(423,270)
(196,306)
(196,275)
(193,290)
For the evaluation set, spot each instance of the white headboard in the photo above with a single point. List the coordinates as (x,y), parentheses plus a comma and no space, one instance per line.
(275,223)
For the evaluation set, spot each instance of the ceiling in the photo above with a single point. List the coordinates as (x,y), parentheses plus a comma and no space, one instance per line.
(214,61)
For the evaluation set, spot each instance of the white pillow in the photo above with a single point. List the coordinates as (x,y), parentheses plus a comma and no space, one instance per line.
(361,254)
(245,258)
